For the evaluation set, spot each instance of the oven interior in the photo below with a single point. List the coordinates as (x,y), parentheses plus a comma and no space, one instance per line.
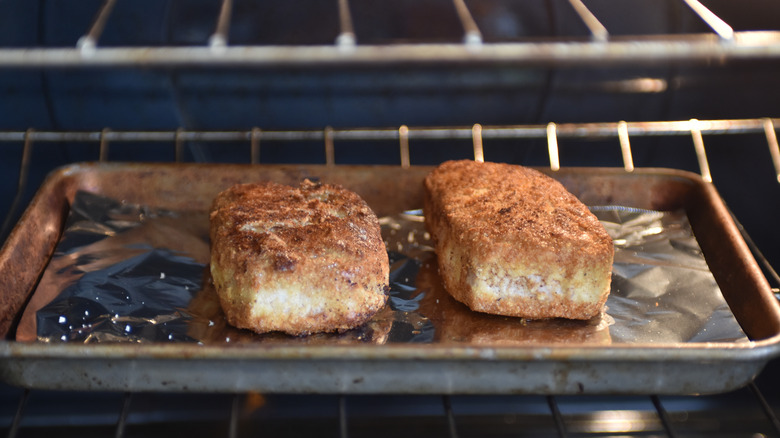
(679,84)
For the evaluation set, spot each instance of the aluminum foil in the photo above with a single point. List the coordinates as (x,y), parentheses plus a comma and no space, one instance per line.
(129,273)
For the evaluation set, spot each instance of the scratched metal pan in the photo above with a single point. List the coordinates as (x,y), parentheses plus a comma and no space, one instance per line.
(539,368)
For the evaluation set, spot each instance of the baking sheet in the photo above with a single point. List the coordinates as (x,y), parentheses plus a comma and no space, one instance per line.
(129,273)
(465,367)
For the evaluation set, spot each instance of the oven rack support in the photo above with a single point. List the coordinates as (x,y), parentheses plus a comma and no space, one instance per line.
(720,44)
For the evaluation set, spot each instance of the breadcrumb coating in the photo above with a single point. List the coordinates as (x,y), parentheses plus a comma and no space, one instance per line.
(297,260)
(513,241)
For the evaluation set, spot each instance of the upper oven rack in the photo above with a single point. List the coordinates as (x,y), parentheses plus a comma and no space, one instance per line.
(717,41)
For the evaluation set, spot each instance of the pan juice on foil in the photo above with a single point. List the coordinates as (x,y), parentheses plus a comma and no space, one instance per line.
(129,273)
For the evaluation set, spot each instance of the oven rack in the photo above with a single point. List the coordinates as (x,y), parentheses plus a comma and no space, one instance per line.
(476,133)
(620,132)
(714,39)
(741,413)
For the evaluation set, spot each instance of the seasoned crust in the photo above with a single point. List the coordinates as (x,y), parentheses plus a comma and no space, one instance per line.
(298,260)
(513,241)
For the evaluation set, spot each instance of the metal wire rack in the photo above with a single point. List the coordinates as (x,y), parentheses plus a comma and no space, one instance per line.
(235,415)
(476,134)
(621,130)
(714,40)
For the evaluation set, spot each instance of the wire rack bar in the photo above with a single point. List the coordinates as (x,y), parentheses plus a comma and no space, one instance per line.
(597,30)
(24,170)
(343,424)
(254,141)
(235,405)
(330,149)
(346,38)
(87,44)
(451,427)
(121,424)
(563,130)
(104,145)
(178,142)
(403,140)
(625,146)
(774,149)
(621,50)
(701,154)
(765,407)
(768,268)
(560,425)
(471,33)
(20,408)
(663,416)
(476,135)
(719,26)
(219,39)
(552,146)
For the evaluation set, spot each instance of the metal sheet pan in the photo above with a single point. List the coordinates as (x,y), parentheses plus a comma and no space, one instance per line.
(394,368)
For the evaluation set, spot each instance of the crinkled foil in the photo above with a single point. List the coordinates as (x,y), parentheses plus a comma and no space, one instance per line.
(127,273)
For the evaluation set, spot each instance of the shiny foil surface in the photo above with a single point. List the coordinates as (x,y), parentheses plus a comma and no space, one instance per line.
(128,273)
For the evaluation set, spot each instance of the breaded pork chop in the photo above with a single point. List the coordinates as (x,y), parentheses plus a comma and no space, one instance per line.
(297,260)
(513,241)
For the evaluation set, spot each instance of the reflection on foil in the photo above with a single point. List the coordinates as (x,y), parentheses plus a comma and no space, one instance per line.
(137,299)
(662,288)
(128,273)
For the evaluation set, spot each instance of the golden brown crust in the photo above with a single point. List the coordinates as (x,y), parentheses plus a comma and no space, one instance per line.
(298,260)
(512,241)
